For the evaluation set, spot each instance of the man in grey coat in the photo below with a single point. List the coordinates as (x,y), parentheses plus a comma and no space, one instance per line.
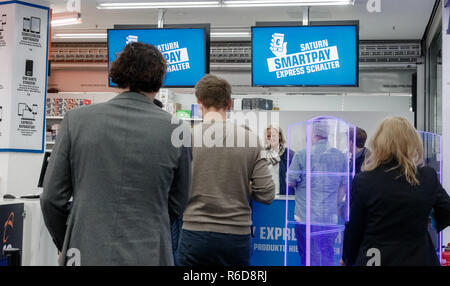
(127,180)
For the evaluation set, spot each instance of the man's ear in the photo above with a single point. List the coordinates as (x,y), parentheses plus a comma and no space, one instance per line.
(200,105)
(230,104)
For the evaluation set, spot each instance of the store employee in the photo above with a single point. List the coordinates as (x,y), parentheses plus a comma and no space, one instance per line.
(277,155)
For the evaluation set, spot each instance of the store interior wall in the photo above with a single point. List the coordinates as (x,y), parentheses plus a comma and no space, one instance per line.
(368,121)
(378,81)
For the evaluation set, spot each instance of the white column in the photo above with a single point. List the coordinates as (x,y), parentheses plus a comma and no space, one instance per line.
(23,87)
(446,103)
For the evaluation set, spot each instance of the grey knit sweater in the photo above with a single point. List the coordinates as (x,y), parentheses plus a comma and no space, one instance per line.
(225,179)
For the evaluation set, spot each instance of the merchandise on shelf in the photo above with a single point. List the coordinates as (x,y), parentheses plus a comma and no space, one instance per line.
(195,111)
(59,106)
(237,104)
(183,114)
(172,108)
(54,131)
(256,104)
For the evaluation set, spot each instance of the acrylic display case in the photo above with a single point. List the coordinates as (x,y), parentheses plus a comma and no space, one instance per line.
(432,157)
(321,173)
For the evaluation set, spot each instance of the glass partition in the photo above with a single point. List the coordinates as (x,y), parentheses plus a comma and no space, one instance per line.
(321,173)
(432,144)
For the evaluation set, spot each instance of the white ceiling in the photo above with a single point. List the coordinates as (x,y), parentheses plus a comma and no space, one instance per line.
(399,19)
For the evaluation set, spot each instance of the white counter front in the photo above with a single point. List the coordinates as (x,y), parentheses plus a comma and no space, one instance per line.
(38,248)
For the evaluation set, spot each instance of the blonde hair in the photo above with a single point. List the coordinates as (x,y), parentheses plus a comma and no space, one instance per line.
(396,139)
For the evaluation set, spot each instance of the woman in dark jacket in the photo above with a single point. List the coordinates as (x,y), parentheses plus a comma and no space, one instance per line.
(391,203)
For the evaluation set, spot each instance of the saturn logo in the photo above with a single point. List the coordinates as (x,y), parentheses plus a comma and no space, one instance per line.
(8,224)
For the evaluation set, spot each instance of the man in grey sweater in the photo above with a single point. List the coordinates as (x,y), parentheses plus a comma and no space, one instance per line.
(228,172)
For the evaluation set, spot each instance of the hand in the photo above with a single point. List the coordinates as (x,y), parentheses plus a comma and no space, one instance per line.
(276,48)
(60,259)
(342,263)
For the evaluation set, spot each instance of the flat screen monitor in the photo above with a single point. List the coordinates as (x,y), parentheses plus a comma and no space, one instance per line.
(184,49)
(305,55)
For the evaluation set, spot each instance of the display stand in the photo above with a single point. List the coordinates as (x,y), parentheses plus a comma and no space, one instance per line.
(11,232)
(432,156)
(321,172)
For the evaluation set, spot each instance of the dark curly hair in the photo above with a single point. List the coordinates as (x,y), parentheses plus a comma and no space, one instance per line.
(140,67)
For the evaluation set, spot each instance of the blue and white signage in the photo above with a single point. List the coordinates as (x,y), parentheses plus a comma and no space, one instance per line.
(270,235)
(184,50)
(24,33)
(305,56)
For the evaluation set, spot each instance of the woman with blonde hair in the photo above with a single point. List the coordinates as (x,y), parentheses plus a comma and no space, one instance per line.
(391,201)
(277,156)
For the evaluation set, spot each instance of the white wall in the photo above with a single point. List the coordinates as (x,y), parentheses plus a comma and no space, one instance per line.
(323,102)
(20,173)
(367,120)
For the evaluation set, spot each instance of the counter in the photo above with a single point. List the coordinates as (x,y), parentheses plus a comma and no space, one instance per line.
(268,243)
(37,246)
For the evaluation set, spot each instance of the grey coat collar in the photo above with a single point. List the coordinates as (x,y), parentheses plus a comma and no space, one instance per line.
(131,95)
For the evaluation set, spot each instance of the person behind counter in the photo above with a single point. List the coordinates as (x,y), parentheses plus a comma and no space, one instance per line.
(277,155)
(360,146)
(391,202)
(217,220)
(127,179)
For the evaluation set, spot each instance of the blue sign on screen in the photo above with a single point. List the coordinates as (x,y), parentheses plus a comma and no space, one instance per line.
(305,56)
(184,50)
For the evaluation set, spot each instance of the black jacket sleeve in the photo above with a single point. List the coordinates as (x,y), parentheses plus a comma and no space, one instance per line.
(354,228)
(58,187)
(441,206)
(179,191)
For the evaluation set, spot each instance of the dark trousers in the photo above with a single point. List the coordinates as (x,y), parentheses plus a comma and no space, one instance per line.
(176,230)
(321,246)
(199,248)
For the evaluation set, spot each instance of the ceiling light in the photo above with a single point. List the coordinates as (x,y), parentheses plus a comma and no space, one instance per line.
(159,5)
(81,36)
(281,3)
(65,19)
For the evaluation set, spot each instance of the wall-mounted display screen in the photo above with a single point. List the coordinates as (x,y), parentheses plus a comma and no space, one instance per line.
(184,50)
(305,56)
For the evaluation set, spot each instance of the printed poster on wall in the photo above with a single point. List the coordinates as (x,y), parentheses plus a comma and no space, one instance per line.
(23,79)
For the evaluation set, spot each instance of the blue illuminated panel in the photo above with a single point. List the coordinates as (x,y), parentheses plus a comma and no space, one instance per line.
(432,153)
(305,56)
(184,50)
